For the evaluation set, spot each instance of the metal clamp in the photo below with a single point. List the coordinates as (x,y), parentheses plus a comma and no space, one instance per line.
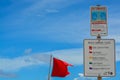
(99,37)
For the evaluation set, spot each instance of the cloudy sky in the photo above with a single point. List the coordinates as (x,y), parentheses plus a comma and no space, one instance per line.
(32,30)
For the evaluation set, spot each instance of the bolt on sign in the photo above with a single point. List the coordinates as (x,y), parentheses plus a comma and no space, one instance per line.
(99,57)
(98,21)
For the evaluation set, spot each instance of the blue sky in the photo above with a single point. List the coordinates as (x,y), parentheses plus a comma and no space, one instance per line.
(31,30)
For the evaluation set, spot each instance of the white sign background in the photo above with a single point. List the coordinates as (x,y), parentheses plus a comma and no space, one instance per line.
(99,57)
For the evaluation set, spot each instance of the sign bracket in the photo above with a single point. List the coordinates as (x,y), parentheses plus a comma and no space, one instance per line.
(99,77)
(98,37)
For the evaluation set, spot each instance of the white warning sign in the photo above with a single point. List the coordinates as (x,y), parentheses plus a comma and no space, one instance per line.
(99,57)
(98,20)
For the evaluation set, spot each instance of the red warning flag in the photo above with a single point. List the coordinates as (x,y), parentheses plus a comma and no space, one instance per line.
(60,68)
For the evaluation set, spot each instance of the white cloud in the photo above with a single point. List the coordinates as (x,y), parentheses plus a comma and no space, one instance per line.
(116,37)
(52,10)
(7,75)
(37,7)
(7,64)
(75,79)
(40,15)
(84,78)
(81,74)
(28,51)
(40,6)
(69,28)
(72,56)
(80,77)
(61,28)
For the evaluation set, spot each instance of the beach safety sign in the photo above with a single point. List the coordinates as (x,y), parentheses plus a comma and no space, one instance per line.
(99,57)
(98,20)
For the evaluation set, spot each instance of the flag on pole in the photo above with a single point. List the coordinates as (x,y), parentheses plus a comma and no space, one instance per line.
(60,68)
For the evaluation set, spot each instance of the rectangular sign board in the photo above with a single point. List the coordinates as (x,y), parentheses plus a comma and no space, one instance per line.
(98,20)
(99,57)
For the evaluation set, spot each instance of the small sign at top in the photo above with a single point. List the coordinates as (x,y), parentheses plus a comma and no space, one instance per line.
(98,21)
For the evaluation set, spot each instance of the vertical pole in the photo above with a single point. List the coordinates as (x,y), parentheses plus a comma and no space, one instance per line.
(99,78)
(99,38)
(49,76)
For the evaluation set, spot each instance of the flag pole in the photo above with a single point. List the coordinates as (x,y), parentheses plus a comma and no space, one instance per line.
(49,76)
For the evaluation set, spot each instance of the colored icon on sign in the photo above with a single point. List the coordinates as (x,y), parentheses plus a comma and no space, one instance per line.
(111,73)
(90,47)
(90,68)
(94,16)
(90,57)
(103,16)
(90,51)
(90,63)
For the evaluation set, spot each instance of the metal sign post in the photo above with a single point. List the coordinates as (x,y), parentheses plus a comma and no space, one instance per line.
(99,37)
(99,78)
